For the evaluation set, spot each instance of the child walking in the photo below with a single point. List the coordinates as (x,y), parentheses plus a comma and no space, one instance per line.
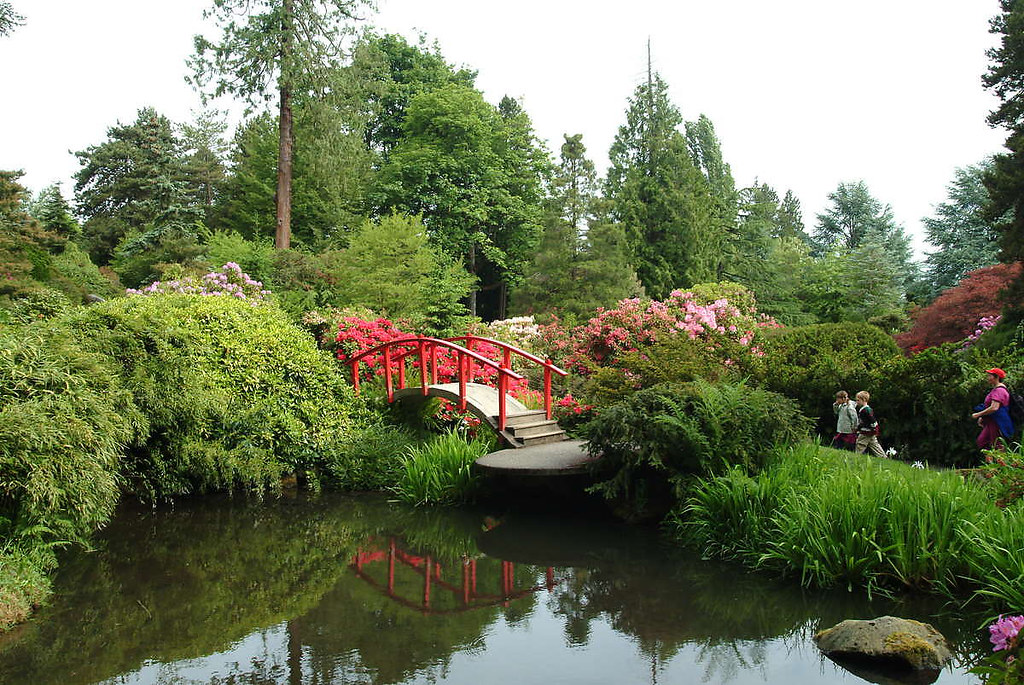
(867,427)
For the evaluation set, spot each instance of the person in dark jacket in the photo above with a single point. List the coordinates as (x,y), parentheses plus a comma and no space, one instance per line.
(867,427)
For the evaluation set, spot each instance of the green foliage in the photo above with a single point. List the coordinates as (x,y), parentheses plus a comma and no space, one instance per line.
(77,276)
(51,210)
(583,260)
(1003,471)
(660,196)
(369,457)
(24,581)
(834,517)
(235,395)
(963,237)
(440,472)
(389,267)
(924,402)
(811,363)
(135,181)
(652,442)
(256,257)
(473,173)
(65,419)
(143,257)
(38,305)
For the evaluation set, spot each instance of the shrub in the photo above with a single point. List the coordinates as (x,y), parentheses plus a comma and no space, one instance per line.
(227,281)
(653,441)
(235,395)
(923,403)
(1003,472)
(811,363)
(955,313)
(255,257)
(64,422)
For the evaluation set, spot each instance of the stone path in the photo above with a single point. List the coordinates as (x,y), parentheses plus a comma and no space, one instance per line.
(552,459)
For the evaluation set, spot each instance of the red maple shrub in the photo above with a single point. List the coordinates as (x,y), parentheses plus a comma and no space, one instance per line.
(955,313)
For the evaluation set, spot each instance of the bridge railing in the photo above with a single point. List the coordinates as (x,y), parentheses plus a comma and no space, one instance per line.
(424,351)
(507,353)
(395,353)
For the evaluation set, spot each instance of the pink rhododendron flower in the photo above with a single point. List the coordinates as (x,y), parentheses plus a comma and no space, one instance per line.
(1003,633)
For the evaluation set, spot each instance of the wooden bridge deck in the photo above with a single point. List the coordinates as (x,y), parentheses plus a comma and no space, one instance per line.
(564,458)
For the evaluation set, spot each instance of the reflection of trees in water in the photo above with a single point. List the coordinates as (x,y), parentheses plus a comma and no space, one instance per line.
(178,585)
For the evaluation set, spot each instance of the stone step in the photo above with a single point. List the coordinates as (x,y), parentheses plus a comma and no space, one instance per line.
(543,438)
(522,417)
(535,428)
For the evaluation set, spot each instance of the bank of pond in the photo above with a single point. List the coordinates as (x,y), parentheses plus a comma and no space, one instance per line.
(352,589)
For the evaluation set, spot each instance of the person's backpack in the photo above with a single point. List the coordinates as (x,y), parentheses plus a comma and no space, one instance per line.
(1016,408)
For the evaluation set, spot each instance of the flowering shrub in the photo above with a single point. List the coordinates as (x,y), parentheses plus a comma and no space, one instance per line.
(228,281)
(637,324)
(356,335)
(571,413)
(519,331)
(984,323)
(1005,667)
(1004,474)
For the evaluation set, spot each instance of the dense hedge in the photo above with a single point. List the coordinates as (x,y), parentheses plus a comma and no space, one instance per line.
(810,363)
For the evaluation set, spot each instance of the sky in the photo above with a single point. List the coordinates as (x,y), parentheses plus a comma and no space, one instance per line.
(804,94)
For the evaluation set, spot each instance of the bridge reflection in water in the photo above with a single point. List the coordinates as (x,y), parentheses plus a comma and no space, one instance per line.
(380,568)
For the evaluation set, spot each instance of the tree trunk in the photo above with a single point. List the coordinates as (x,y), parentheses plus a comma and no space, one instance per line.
(283,234)
(471,267)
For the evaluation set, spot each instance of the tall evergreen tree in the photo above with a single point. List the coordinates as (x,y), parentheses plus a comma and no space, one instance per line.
(963,236)
(660,197)
(791,219)
(9,19)
(582,261)
(135,182)
(1005,181)
(285,45)
(51,210)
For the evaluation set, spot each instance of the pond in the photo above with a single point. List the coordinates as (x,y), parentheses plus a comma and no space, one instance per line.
(354,589)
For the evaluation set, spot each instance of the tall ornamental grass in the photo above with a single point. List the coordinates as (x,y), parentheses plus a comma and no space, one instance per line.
(841,519)
(440,472)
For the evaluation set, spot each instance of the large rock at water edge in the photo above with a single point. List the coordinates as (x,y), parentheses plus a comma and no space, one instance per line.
(886,642)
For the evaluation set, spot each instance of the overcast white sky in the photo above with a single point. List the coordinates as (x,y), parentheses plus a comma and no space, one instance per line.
(804,94)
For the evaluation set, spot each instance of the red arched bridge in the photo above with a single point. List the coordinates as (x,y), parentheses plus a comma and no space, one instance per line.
(448,369)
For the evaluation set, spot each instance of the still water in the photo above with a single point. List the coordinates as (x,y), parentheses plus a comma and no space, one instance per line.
(354,589)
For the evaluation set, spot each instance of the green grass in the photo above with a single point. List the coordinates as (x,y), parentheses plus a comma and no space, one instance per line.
(835,518)
(440,472)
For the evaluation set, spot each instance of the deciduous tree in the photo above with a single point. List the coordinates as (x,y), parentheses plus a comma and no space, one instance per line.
(955,313)
(467,171)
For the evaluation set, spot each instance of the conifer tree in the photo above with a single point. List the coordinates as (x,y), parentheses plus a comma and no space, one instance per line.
(285,47)
(963,236)
(660,197)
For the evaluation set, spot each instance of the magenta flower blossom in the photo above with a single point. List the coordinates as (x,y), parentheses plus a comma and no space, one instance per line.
(1004,632)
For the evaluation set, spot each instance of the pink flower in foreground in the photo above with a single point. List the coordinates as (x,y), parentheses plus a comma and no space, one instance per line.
(1004,632)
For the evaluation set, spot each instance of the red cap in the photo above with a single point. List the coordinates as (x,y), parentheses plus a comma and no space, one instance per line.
(997,372)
